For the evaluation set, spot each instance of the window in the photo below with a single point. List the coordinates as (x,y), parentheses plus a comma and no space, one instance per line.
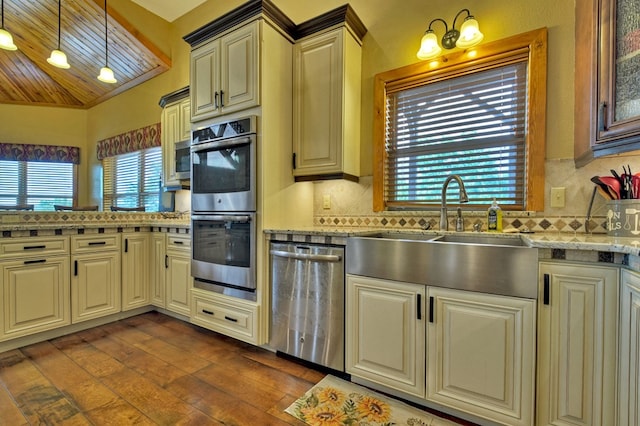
(478,114)
(42,184)
(133,179)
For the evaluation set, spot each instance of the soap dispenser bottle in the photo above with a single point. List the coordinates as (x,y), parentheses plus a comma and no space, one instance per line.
(494,217)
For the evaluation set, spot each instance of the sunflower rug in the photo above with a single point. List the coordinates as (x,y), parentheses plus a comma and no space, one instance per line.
(334,401)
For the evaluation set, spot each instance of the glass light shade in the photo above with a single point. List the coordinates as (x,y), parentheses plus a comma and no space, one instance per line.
(58,59)
(106,75)
(429,47)
(470,34)
(6,41)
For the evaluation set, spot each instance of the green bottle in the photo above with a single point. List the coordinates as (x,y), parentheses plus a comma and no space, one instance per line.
(494,217)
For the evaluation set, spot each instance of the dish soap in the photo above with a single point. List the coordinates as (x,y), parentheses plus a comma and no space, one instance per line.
(494,217)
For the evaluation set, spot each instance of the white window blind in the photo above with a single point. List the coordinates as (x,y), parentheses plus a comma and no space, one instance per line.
(42,184)
(472,125)
(133,179)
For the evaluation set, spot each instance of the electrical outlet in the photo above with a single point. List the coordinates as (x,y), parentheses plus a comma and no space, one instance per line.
(557,197)
(326,201)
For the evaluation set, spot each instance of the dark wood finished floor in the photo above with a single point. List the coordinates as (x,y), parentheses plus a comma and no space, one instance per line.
(147,370)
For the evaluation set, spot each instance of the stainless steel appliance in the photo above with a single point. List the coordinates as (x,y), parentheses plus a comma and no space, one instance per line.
(307,303)
(223,254)
(223,166)
(183,160)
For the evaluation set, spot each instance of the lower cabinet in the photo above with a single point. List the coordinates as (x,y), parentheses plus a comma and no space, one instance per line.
(471,352)
(95,278)
(227,315)
(35,295)
(629,353)
(178,278)
(577,343)
(135,270)
(481,354)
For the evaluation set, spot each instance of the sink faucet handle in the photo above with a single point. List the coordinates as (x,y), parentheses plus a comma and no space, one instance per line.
(477,227)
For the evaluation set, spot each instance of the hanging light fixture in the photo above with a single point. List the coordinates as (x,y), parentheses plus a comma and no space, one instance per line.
(468,36)
(6,41)
(106,73)
(58,57)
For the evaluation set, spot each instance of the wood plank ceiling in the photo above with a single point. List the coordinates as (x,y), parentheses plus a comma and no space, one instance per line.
(27,78)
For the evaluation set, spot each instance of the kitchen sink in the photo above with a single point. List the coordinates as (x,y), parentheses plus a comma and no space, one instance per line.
(483,263)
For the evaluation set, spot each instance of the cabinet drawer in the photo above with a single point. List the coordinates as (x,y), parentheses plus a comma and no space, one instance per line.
(94,243)
(178,242)
(225,318)
(33,247)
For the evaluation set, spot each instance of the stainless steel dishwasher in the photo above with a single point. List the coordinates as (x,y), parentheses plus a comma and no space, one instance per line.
(307,302)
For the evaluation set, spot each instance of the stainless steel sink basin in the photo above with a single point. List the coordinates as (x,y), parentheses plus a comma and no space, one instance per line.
(482,263)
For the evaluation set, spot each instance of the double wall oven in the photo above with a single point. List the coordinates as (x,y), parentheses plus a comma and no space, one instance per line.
(223,207)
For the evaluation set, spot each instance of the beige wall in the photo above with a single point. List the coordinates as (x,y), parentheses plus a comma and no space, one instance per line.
(394,31)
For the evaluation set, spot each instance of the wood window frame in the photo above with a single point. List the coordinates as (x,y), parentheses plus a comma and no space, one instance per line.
(534,43)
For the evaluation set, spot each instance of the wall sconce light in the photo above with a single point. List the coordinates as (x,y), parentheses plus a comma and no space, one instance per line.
(6,41)
(106,73)
(58,57)
(469,35)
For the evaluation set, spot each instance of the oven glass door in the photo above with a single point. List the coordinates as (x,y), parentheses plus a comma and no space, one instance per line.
(223,249)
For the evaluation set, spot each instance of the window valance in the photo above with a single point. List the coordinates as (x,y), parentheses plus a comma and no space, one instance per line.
(134,140)
(39,153)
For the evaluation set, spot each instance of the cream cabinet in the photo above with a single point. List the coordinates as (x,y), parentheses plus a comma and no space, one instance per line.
(157,269)
(178,274)
(326,106)
(577,340)
(629,350)
(95,278)
(385,333)
(481,354)
(35,285)
(135,270)
(225,73)
(227,315)
(176,127)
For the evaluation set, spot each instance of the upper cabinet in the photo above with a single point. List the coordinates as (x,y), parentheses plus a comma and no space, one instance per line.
(224,73)
(175,127)
(607,96)
(326,100)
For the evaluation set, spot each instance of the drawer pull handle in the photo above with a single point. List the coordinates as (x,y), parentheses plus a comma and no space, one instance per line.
(178,242)
(29,262)
(34,247)
(97,243)
(230,319)
(204,311)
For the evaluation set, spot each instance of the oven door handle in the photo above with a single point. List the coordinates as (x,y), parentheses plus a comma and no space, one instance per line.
(203,146)
(306,256)
(223,218)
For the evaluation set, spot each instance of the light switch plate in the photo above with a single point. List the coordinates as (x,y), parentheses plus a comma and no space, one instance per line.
(557,197)
(326,201)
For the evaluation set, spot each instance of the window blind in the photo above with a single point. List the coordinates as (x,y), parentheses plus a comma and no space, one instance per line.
(473,125)
(133,179)
(42,184)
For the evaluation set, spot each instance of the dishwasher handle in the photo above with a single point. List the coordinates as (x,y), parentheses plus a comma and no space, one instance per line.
(306,256)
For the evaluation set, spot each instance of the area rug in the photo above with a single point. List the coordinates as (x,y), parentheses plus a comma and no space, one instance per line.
(334,401)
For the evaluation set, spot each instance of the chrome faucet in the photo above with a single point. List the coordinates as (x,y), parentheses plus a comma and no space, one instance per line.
(444,222)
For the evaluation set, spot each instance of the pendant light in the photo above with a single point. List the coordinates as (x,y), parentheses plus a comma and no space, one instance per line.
(106,73)
(58,58)
(6,41)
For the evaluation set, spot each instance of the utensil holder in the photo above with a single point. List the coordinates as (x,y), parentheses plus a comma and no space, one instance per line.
(623,218)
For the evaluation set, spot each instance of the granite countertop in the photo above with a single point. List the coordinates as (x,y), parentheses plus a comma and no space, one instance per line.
(551,240)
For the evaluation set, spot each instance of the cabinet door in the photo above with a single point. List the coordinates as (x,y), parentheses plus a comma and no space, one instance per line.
(240,73)
(385,333)
(170,135)
(35,296)
(576,344)
(481,354)
(205,80)
(157,271)
(629,355)
(135,271)
(185,120)
(95,285)
(179,283)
